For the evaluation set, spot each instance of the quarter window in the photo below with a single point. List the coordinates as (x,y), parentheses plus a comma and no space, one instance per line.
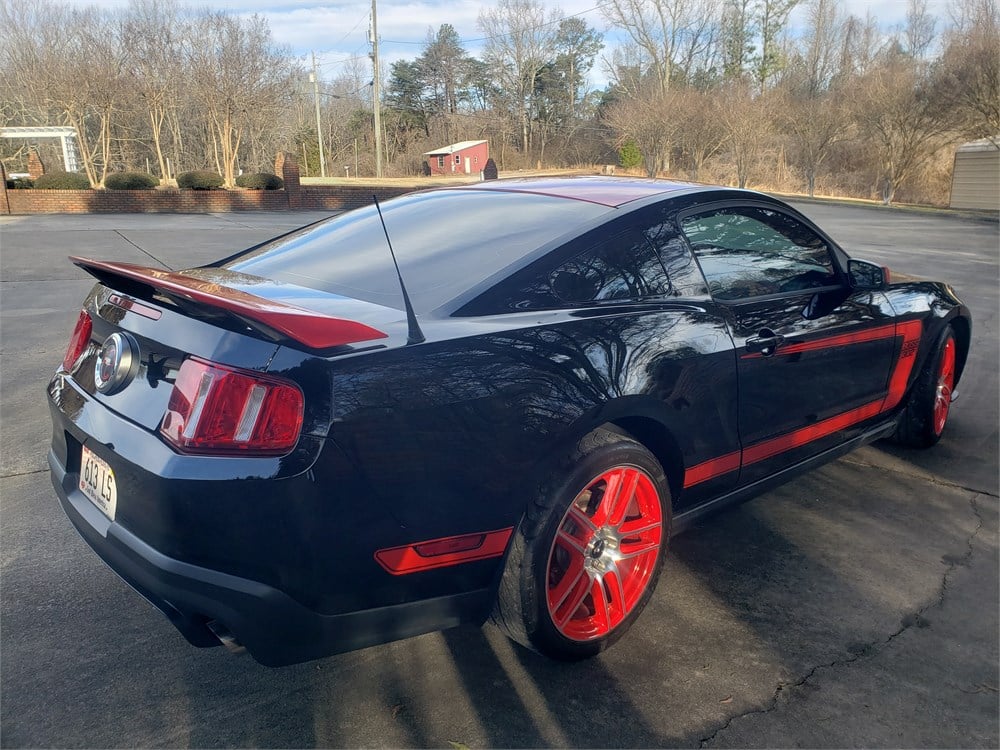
(752,252)
(623,266)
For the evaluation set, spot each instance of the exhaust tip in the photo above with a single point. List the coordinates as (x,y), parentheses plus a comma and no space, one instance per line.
(226,638)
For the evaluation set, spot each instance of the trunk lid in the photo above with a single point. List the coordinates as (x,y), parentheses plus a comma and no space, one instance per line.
(219,315)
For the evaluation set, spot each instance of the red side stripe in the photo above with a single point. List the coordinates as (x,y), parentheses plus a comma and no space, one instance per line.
(443,552)
(910,332)
(713,467)
(843,339)
(800,437)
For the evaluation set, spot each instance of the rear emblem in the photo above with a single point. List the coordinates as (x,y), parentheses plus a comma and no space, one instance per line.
(117,363)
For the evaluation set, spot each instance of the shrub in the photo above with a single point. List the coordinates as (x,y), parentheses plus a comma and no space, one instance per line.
(629,156)
(20,183)
(260,181)
(130,181)
(63,181)
(490,170)
(200,179)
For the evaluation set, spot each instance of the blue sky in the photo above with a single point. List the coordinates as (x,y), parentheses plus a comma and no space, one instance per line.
(337,30)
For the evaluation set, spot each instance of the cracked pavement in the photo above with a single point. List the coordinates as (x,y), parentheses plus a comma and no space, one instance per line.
(856,606)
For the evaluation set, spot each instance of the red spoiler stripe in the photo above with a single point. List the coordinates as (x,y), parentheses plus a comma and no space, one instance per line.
(313,329)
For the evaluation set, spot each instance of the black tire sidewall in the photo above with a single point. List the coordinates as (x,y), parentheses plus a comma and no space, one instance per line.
(590,462)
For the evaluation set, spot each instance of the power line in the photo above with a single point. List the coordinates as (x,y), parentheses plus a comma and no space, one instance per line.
(501,36)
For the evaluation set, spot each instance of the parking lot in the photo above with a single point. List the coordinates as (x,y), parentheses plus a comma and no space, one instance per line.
(856,606)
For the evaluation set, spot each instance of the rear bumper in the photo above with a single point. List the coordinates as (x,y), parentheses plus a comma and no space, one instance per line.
(276,629)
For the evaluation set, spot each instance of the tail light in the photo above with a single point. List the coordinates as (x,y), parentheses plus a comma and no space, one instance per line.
(78,341)
(217,409)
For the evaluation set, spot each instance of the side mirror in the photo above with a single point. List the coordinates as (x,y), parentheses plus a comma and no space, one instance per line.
(865,275)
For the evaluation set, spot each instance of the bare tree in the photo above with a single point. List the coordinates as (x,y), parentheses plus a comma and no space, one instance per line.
(819,63)
(647,120)
(918,32)
(520,37)
(901,119)
(671,33)
(967,75)
(700,133)
(153,32)
(746,120)
(240,79)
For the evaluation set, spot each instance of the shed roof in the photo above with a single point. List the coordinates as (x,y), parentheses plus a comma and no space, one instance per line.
(453,148)
(984,144)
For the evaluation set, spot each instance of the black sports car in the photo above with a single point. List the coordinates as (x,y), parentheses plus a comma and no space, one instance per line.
(283,451)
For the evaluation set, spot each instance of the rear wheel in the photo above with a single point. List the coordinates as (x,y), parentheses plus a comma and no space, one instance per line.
(923,421)
(589,551)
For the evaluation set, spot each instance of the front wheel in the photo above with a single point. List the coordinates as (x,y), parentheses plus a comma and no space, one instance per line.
(923,420)
(589,551)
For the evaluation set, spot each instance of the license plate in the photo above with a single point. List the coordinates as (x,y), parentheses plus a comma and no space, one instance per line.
(97,482)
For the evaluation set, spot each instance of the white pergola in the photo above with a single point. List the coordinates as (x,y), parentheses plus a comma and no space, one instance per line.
(66,136)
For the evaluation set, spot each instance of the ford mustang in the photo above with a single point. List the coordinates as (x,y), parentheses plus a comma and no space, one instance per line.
(488,402)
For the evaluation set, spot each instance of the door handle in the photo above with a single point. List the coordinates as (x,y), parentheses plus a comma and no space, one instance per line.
(765,342)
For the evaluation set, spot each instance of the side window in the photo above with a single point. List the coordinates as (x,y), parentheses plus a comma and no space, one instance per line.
(440,161)
(623,266)
(750,252)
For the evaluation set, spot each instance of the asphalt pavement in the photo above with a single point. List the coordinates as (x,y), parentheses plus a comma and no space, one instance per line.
(856,606)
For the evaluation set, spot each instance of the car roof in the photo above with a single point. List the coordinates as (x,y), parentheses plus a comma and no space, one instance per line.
(606,191)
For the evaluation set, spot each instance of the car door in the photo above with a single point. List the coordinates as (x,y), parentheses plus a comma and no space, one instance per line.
(813,355)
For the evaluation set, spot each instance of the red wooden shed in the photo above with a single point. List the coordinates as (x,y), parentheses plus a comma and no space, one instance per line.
(465,157)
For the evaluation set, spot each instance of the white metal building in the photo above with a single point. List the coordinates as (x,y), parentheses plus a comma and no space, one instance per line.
(975,179)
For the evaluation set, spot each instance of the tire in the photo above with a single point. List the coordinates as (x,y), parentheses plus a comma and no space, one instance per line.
(926,414)
(585,559)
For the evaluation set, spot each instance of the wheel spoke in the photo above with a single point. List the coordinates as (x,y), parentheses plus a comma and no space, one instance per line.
(612,580)
(571,575)
(638,527)
(618,497)
(947,372)
(571,544)
(602,614)
(582,520)
(572,599)
(639,548)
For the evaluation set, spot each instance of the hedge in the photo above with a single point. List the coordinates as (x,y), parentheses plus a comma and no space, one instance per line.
(200,179)
(130,181)
(63,181)
(260,181)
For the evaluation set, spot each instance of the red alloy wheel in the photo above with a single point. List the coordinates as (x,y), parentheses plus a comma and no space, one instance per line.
(604,553)
(945,384)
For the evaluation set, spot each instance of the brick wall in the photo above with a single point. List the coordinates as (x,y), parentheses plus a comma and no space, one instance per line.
(295,196)
(317,197)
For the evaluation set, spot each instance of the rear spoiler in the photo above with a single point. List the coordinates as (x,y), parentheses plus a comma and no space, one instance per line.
(312,329)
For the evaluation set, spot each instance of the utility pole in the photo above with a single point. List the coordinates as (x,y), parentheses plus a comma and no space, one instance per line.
(376,93)
(319,127)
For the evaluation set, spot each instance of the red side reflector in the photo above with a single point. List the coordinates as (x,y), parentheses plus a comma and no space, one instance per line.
(222,410)
(442,553)
(78,341)
(315,330)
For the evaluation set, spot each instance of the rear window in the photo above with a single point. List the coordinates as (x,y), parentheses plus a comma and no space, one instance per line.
(445,242)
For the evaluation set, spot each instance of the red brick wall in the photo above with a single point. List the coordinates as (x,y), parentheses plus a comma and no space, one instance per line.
(294,196)
(4,203)
(191,201)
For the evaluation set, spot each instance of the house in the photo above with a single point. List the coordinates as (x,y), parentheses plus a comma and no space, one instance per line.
(975,180)
(465,157)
